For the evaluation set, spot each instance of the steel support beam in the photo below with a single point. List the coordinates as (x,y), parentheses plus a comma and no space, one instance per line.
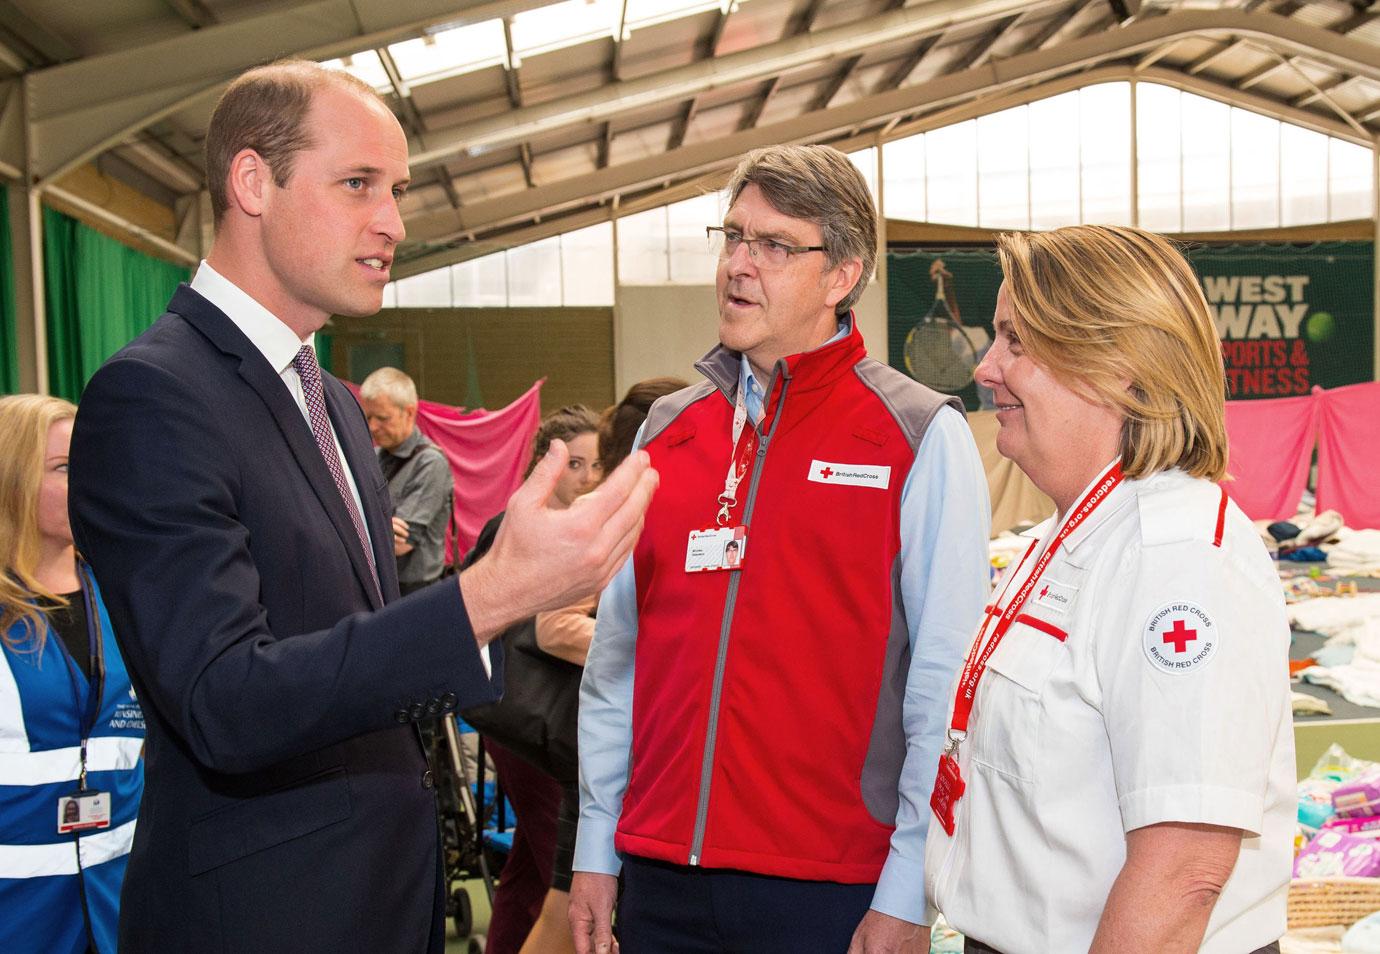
(953,98)
(1344,28)
(195,13)
(680,83)
(897,77)
(34,35)
(1285,9)
(711,50)
(1286,35)
(800,26)
(80,108)
(836,82)
(30,323)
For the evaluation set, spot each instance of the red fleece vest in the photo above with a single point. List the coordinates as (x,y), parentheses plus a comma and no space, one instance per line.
(768,769)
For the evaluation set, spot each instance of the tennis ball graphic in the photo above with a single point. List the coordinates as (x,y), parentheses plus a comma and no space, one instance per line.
(1321,326)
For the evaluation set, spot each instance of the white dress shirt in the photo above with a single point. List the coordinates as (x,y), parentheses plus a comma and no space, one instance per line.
(278,344)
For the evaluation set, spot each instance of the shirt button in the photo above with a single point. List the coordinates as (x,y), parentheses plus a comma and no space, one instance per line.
(428,780)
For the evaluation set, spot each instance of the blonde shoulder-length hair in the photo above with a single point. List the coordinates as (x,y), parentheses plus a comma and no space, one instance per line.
(1101,306)
(25,420)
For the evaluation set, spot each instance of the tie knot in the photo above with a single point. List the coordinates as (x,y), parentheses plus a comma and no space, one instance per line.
(305,361)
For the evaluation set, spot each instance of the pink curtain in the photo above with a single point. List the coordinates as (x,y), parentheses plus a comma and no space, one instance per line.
(1271,444)
(1349,453)
(487,451)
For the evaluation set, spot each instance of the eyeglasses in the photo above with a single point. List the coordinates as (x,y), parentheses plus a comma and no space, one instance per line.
(723,242)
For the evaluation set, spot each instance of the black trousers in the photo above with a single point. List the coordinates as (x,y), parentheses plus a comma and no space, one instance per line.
(675,909)
(971,946)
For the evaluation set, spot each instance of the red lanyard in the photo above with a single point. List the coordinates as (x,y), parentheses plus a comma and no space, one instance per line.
(976,663)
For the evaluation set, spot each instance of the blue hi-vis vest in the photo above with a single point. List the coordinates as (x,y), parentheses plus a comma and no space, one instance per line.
(44,875)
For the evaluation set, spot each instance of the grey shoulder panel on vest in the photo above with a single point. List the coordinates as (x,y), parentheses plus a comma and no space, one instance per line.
(911,404)
(666,409)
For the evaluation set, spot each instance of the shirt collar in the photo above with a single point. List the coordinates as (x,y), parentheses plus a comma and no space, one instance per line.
(409,445)
(277,342)
(752,388)
(1113,503)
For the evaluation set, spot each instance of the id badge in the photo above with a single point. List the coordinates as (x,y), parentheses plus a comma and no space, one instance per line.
(718,548)
(948,789)
(83,811)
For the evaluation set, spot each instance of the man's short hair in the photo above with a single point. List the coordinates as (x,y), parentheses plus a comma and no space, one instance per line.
(392,384)
(821,185)
(265,109)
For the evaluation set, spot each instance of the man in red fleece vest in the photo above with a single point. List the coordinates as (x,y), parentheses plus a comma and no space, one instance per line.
(762,710)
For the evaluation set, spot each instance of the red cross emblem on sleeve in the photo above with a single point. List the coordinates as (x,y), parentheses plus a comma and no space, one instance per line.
(1180,635)
(826,473)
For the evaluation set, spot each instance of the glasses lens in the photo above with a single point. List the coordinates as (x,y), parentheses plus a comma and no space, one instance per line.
(771,254)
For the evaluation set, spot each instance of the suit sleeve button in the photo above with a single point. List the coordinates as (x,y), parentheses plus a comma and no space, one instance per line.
(401,715)
(418,710)
(433,707)
(428,780)
(448,701)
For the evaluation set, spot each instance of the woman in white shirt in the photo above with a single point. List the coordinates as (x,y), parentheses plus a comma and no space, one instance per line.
(1120,766)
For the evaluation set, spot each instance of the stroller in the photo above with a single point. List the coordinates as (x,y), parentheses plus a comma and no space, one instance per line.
(473,817)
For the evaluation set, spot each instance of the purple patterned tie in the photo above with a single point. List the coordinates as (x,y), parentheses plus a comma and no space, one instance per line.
(310,373)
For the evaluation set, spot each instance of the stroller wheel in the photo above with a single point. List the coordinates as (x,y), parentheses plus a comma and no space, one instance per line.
(476,945)
(463,916)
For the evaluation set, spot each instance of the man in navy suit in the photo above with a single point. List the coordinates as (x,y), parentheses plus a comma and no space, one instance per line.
(226,494)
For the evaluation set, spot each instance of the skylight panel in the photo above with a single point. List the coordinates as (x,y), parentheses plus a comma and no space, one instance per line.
(564,24)
(645,13)
(365,66)
(450,52)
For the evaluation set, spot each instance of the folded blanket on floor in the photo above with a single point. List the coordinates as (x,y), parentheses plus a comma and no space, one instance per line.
(1335,616)
(1356,553)
(1359,681)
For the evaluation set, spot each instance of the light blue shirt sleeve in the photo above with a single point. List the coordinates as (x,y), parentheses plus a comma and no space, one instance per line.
(605,731)
(945,525)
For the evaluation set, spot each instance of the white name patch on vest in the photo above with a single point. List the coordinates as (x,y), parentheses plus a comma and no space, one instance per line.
(852,475)
(1179,638)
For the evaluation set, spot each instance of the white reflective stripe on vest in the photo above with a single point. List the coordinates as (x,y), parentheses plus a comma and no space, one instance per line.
(39,861)
(105,754)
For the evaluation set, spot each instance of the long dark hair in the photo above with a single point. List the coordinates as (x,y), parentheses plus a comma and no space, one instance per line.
(619,427)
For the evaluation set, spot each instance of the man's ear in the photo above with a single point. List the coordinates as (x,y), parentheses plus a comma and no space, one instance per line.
(248,181)
(844,276)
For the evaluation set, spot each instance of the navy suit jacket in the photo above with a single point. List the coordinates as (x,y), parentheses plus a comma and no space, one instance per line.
(288,803)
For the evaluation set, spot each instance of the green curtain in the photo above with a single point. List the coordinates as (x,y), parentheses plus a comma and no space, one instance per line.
(323,341)
(9,342)
(100,295)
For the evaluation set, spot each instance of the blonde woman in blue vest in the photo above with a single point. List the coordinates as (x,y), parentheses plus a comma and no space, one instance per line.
(71,730)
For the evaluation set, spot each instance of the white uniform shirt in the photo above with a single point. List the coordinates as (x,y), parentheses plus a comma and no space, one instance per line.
(1166,700)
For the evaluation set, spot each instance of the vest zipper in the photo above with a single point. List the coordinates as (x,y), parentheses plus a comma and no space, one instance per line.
(721,661)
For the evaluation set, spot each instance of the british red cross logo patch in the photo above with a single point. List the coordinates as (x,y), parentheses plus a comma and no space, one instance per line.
(1180,638)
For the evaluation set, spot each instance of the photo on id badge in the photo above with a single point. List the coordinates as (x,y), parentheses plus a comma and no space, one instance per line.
(717,548)
(84,811)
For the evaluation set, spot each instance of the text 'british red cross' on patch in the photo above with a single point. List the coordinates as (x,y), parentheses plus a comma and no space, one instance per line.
(1180,638)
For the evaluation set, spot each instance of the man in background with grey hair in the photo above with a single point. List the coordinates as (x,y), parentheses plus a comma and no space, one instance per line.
(419,478)
(763,706)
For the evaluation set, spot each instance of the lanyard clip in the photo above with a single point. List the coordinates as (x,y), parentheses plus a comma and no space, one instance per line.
(956,737)
(726,502)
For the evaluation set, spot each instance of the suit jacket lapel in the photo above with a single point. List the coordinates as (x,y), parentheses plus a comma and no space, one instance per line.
(256,372)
